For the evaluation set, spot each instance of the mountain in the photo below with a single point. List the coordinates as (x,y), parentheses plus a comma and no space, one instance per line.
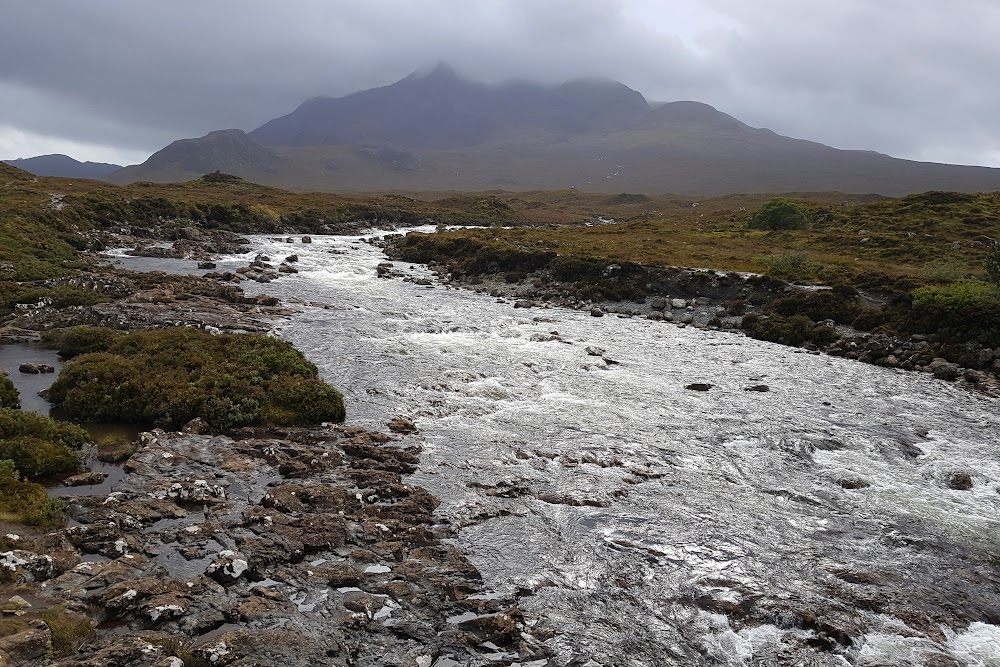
(437,130)
(63,165)
(231,151)
(441,110)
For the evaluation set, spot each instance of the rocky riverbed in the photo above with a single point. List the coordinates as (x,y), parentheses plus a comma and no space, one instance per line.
(299,547)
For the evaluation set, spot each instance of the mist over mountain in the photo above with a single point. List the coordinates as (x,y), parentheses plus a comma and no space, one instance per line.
(436,130)
(64,165)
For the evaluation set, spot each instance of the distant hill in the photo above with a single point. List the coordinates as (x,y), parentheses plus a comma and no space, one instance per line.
(231,151)
(63,165)
(439,131)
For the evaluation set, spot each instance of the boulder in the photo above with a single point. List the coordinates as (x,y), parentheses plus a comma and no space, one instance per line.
(658,303)
(307,239)
(36,368)
(227,567)
(22,647)
(596,312)
(402,425)
(960,481)
(945,371)
(678,303)
(86,479)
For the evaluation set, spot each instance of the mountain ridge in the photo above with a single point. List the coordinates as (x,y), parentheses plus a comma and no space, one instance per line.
(437,130)
(57,164)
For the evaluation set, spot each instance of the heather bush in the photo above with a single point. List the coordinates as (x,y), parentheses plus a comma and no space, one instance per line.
(166,378)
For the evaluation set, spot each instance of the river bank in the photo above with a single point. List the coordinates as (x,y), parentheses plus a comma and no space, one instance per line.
(760,306)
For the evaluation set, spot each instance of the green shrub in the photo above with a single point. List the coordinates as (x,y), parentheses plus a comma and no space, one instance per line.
(25,501)
(792,265)
(38,446)
(779,214)
(35,458)
(15,424)
(793,330)
(69,630)
(166,378)
(9,397)
(839,304)
(85,340)
(957,296)
(992,264)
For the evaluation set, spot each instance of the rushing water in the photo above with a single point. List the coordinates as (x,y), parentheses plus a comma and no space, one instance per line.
(648,524)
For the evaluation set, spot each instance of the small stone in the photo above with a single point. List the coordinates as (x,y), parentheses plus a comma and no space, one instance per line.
(594,351)
(699,386)
(524,303)
(596,312)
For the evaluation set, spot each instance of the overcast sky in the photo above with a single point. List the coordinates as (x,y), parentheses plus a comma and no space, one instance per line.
(115,80)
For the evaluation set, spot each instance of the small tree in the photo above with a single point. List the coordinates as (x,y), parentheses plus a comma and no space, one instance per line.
(779,214)
(992,264)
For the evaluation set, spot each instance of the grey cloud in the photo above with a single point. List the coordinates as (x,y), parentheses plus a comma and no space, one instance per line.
(911,79)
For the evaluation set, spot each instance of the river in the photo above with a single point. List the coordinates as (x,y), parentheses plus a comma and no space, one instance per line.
(649,524)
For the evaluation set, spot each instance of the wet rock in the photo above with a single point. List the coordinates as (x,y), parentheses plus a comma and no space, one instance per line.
(291,259)
(596,312)
(36,368)
(423,282)
(524,303)
(757,387)
(26,566)
(285,268)
(687,318)
(196,426)
(401,425)
(594,351)
(206,265)
(227,567)
(943,369)
(86,479)
(25,646)
(699,386)
(658,303)
(307,239)
(960,481)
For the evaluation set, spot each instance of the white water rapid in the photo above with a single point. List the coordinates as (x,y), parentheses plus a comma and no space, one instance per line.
(648,524)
